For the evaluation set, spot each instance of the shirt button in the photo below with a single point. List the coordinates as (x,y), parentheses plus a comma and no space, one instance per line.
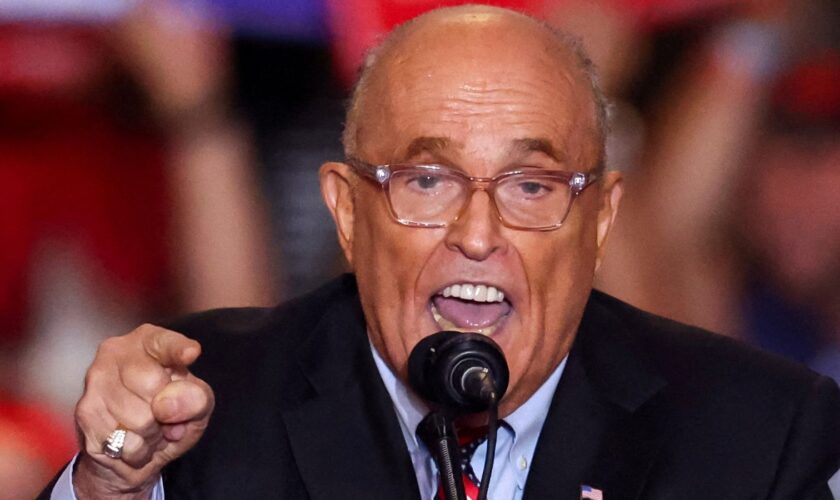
(523,463)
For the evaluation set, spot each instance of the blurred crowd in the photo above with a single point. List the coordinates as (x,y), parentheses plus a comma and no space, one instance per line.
(160,156)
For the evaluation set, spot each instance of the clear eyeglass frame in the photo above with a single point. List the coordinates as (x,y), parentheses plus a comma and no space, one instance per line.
(382,175)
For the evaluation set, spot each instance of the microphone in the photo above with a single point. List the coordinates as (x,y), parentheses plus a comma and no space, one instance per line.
(463,372)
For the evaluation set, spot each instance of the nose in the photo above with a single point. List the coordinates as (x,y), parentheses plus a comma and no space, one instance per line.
(476,234)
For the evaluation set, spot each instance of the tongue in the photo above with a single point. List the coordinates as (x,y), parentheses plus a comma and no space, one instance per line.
(468,314)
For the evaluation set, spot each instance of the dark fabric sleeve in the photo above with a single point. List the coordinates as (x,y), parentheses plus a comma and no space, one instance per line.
(47,492)
(812,450)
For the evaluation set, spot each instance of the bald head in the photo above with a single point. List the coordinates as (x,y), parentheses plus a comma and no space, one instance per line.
(450,35)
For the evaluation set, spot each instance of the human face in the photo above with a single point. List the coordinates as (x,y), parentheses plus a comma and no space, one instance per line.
(481,94)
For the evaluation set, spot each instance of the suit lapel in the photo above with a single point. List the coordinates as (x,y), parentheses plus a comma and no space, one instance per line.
(604,426)
(346,440)
(603,429)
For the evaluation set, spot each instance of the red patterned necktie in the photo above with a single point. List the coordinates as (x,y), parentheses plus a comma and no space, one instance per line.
(468,440)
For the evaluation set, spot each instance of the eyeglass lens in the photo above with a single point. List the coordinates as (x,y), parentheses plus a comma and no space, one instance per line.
(437,198)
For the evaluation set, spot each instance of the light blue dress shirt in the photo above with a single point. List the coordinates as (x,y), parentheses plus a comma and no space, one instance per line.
(63,489)
(515,441)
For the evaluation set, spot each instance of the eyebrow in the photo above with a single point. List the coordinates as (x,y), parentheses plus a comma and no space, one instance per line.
(427,145)
(541,145)
(525,145)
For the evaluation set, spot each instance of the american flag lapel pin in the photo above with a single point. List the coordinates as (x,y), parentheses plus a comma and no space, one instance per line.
(589,493)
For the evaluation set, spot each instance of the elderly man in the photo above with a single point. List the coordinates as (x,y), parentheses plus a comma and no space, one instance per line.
(473,198)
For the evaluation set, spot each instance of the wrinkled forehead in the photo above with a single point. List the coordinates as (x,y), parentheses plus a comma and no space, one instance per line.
(470,35)
(479,70)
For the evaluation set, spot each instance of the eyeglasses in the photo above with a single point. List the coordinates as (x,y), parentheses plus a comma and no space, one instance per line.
(435,195)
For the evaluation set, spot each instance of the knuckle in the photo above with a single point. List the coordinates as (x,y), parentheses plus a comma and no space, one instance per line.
(200,396)
(137,459)
(84,412)
(146,329)
(196,396)
(97,372)
(91,448)
(142,422)
(108,346)
(87,440)
(204,386)
(209,395)
(148,381)
(204,398)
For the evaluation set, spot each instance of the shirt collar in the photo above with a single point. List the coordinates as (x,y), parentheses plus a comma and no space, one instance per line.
(410,408)
(526,421)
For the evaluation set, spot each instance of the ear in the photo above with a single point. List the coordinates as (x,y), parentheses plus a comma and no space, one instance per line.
(337,191)
(612,187)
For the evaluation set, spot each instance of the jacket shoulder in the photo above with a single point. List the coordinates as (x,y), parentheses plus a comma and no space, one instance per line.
(289,317)
(254,346)
(689,353)
(730,403)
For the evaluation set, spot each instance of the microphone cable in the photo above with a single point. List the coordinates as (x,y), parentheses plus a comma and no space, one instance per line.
(492,428)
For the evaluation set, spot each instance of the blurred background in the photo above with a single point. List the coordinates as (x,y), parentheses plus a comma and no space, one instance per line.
(161,156)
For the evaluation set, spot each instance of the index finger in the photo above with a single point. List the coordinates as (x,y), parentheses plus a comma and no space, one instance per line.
(170,349)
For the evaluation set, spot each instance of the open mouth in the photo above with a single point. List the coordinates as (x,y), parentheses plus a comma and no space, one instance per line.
(470,307)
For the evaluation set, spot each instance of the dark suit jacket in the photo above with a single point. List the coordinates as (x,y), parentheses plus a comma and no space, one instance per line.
(646,408)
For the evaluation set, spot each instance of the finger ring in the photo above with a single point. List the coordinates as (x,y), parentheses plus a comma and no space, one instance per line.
(113,446)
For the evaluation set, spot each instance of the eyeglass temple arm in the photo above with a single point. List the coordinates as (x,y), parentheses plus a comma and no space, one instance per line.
(580,181)
(377,173)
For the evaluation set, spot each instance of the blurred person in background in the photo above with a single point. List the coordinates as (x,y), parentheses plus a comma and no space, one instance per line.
(730,217)
(789,235)
(127,189)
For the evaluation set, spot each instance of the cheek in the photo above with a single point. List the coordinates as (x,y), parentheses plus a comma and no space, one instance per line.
(388,261)
(389,256)
(559,269)
(560,266)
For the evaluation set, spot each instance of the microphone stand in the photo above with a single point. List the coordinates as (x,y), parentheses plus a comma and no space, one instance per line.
(462,373)
(445,450)
(443,445)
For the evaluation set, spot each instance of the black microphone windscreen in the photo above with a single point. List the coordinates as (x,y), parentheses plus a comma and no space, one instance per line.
(443,368)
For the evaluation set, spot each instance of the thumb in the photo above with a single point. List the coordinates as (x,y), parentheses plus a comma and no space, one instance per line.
(183,401)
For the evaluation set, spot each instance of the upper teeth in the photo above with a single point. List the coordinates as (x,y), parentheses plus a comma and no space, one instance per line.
(478,293)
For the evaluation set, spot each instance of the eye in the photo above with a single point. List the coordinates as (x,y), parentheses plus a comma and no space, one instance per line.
(422,183)
(533,188)
(426,181)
